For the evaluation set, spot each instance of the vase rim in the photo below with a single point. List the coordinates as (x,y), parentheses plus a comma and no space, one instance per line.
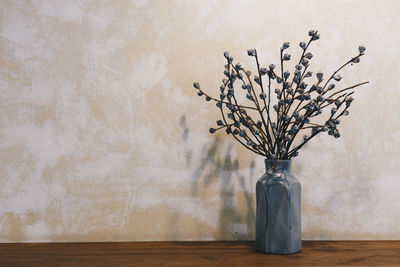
(281,164)
(282,160)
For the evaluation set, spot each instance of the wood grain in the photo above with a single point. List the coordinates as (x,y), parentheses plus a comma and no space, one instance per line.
(219,253)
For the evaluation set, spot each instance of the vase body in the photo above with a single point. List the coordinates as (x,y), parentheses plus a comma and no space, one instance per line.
(278,214)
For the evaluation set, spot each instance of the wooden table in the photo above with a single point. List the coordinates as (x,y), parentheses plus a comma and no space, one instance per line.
(220,253)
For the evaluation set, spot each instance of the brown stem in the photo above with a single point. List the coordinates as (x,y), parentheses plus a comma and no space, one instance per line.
(259,128)
(350,61)
(348,88)
(237,139)
(224,102)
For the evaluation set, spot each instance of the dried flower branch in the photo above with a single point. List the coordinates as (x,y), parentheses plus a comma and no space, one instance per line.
(296,103)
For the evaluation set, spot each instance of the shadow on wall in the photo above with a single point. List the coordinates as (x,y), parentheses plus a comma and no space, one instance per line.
(217,170)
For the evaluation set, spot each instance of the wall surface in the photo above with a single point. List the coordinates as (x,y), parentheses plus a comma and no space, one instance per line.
(102,137)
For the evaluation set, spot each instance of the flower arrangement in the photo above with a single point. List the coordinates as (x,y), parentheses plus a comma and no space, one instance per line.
(294,109)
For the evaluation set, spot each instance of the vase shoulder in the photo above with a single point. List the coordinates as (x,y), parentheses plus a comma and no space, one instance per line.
(270,178)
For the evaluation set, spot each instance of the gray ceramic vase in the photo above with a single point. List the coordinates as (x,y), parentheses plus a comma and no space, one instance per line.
(278,217)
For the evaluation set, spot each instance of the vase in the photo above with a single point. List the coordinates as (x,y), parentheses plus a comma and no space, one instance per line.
(278,214)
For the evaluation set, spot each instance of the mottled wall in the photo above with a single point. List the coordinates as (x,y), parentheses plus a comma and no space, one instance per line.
(103,138)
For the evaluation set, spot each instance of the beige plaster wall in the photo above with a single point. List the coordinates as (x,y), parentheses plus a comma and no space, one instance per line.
(102,137)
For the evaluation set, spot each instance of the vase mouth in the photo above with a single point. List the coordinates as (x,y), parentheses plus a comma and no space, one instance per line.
(278,164)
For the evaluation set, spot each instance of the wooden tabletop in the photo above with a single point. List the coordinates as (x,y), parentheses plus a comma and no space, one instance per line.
(218,253)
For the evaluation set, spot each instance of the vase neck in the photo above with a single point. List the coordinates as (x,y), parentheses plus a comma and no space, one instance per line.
(278,165)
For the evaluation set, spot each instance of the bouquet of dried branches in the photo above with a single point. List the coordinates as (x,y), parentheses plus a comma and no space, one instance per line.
(289,110)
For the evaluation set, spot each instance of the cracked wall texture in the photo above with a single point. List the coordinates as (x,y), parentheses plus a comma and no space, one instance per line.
(102,137)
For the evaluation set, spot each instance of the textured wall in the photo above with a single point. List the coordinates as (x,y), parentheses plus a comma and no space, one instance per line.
(103,138)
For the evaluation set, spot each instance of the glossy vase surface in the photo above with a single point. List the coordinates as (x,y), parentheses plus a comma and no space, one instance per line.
(278,215)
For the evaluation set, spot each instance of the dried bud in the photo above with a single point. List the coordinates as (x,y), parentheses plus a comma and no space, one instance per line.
(305,62)
(361,49)
(336,134)
(286,85)
(315,37)
(308,55)
(320,75)
(337,77)
(285,45)
(303,85)
(308,74)
(313,88)
(348,100)
(286,57)
(251,52)
(263,71)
